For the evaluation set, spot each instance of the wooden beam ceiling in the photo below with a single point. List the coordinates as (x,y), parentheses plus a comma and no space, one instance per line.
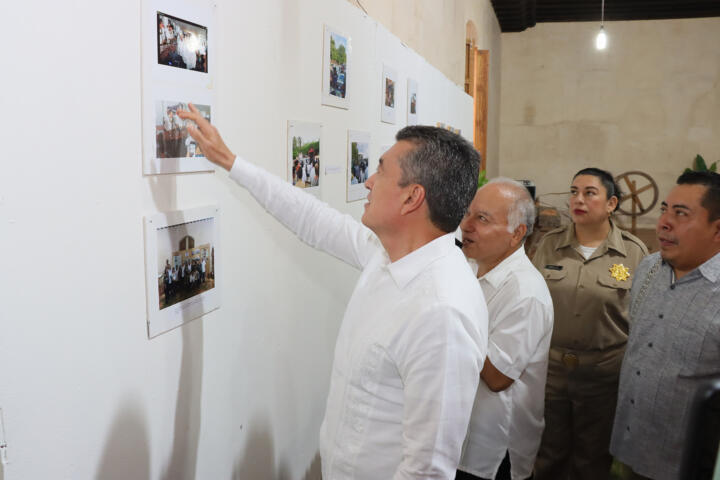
(517,15)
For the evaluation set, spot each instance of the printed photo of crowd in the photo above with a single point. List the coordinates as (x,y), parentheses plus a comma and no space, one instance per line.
(306,162)
(338,65)
(171,136)
(189,269)
(181,44)
(359,162)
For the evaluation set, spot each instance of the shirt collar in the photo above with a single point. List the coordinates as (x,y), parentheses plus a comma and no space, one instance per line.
(495,276)
(711,268)
(613,241)
(411,265)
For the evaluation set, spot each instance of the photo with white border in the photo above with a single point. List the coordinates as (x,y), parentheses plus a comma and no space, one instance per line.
(336,69)
(181,267)
(388,103)
(177,80)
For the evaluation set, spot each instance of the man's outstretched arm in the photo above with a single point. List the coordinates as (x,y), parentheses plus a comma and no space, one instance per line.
(313,221)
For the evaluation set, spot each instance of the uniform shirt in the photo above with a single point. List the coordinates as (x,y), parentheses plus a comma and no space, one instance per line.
(410,347)
(520,316)
(674,342)
(590,304)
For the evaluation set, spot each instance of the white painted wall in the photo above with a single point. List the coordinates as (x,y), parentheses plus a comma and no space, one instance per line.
(650,102)
(241,392)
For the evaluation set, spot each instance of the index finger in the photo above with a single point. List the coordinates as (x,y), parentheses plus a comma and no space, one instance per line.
(194,115)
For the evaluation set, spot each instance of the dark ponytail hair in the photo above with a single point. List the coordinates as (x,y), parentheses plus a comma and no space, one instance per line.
(607,180)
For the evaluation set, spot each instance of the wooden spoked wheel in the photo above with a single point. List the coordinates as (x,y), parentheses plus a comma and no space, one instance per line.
(637,184)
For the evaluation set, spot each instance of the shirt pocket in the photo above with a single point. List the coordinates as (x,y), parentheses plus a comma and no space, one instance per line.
(606,280)
(701,354)
(554,275)
(615,292)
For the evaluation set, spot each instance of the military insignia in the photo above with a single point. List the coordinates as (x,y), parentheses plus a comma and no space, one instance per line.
(619,272)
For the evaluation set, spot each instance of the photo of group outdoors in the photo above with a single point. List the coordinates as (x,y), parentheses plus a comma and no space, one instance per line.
(389,84)
(338,64)
(358,164)
(181,44)
(412,88)
(171,136)
(185,261)
(304,154)
(336,68)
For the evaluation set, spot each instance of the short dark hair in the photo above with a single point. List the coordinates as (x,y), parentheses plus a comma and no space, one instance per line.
(447,166)
(711,199)
(612,189)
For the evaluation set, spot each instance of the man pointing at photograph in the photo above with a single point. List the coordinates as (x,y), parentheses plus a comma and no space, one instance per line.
(414,334)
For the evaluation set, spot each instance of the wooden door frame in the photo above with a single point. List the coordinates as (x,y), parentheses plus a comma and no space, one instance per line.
(476,85)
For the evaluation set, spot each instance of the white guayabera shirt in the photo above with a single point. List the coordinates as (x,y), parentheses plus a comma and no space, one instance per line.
(410,347)
(520,312)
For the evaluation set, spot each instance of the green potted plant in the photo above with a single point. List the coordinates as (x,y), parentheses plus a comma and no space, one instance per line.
(482,178)
(699,165)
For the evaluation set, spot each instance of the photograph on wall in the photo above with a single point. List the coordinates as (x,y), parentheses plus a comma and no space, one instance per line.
(412,91)
(181,267)
(389,92)
(358,165)
(304,155)
(336,68)
(167,145)
(181,43)
(178,45)
(171,136)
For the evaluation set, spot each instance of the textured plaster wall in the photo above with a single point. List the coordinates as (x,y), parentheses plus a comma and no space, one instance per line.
(239,393)
(435,29)
(650,102)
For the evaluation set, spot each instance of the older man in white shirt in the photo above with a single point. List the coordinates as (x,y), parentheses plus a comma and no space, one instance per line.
(413,338)
(507,420)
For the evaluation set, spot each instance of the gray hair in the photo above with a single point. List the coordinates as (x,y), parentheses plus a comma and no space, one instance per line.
(522,208)
(447,166)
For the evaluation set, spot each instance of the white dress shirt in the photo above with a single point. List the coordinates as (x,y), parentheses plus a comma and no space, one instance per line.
(520,313)
(410,347)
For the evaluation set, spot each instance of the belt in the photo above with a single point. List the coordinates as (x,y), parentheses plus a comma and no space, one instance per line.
(575,358)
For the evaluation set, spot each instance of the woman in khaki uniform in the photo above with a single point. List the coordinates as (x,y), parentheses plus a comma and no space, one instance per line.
(588,267)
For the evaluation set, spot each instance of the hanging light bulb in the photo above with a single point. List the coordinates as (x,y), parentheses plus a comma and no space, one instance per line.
(601,39)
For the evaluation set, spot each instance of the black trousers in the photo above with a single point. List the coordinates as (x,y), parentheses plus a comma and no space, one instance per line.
(502,474)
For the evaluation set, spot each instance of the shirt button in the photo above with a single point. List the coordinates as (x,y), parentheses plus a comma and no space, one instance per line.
(660,316)
(650,344)
(632,401)
(638,372)
(627,428)
(672,287)
(581,286)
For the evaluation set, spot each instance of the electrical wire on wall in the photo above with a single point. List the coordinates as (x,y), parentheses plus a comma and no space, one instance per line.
(361,6)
